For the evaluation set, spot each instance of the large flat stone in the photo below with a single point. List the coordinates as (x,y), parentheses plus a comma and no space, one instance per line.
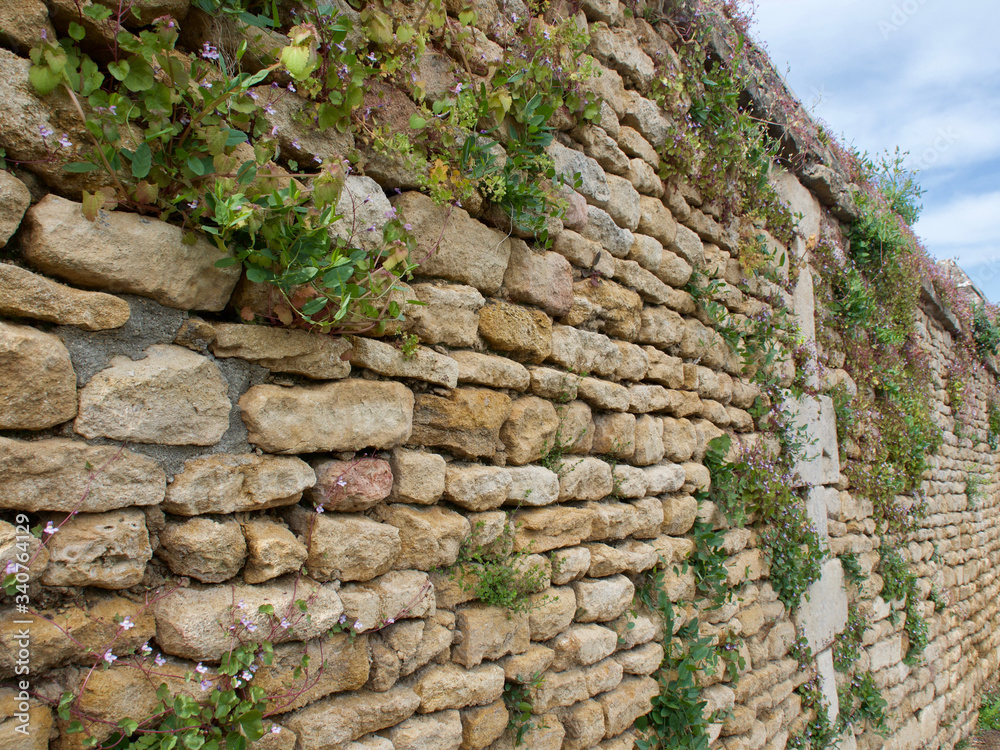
(108,550)
(283,350)
(345,546)
(329,723)
(454,246)
(24,294)
(236,483)
(37,381)
(63,475)
(421,364)
(172,397)
(466,422)
(346,415)
(193,623)
(121,252)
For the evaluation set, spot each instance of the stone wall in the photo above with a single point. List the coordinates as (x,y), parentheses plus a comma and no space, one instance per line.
(197,467)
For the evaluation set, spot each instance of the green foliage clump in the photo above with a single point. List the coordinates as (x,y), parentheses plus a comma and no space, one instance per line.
(517,699)
(676,718)
(993,424)
(795,553)
(989,710)
(862,704)
(847,647)
(497,574)
(900,584)
(819,733)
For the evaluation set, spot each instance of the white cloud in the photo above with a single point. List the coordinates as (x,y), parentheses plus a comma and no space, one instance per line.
(971,220)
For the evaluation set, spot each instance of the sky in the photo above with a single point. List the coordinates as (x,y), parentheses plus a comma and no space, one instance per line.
(923,75)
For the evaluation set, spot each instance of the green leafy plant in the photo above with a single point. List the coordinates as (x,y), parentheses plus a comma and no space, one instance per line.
(989,710)
(497,573)
(900,584)
(862,704)
(517,699)
(847,647)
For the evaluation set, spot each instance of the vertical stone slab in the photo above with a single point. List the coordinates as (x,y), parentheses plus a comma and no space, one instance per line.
(820,459)
(823,611)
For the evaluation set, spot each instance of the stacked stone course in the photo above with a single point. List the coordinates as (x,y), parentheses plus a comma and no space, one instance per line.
(193,452)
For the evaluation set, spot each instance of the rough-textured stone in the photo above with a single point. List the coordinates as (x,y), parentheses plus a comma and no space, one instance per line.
(490,370)
(524,333)
(661,327)
(23,23)
(584,479)
(602,229)
(345,546)
(568,163)
(600,600)
(330,722)
(449,316)
(544,279)
(542,529)
(583,253)
(437,731)
(172,396)
(619,49)
(193,623)
(37,381)
(235,483)
(202,548)
(820,459)
(467,421)
(341,416)
(464,250)
(337,662)
(475,487)
(605,306)
(365,211)
(272,550)
(283,350)
(688,246)
(614,434)
(530,430)
(450,686)
(421,364)
(583,351)
(489,633)
(481,725)
(600,146)
(122,252)
(66,475)
(417,477)
(24,294)
(108,550)
(532,486)
(626,703)
(430,536)
(352,485)
(581,645)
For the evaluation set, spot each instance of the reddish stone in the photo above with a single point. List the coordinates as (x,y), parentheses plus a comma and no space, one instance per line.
(351,485)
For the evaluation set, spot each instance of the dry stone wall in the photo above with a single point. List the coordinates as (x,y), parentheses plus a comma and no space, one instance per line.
(197,468)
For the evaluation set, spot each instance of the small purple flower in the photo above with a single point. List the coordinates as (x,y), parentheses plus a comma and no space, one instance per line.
(407,226)
(341,482)
(391,213)
(206,684)
(357,625)
(317,159)
(343,619)
(236,682)
(209,52)
(127,623)
(274,131)
(247,675)
(390,621)
(275,729)
(201,668)
(295,144)
(45,132)
(241,604)
(146,648)
(113,109)
(45,35)
(291,88)
(285,624)
(193,204)
(340,46)
(159,660)
(252,95)
(320,509)
(269,109)
(11,567)
(49,528)
(109,657)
